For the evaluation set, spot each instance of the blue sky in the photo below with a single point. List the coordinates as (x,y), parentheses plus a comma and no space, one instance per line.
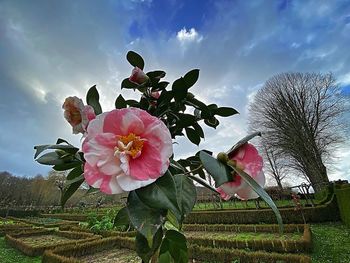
(53,49)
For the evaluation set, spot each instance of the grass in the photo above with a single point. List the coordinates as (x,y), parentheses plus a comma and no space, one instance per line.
(331,243)
(11,255)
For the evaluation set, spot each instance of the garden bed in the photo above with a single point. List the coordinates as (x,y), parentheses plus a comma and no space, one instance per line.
(44,222)
(35,243)
(104,250)
(244,237)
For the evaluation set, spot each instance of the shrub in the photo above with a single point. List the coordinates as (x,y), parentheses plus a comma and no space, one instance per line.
(321,213)
(277,193)
(343,197)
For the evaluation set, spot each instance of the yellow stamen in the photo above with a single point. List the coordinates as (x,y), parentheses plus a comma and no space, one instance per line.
(130,144)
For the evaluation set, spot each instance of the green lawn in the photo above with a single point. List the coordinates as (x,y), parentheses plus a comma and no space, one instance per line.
(11,255)
(331,243)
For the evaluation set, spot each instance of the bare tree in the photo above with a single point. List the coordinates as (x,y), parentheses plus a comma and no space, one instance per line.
(298,115)
(276,167)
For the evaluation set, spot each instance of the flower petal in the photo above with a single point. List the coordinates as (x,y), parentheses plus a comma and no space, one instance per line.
(128,184)
(106,183)
(147,165)
(247,192)
(99,152)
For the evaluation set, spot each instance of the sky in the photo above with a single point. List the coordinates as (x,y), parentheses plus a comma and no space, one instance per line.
(50,50)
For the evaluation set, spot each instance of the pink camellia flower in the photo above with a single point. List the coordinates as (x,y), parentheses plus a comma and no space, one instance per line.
(248,159)
(77,114)
(125,149)
(138,76)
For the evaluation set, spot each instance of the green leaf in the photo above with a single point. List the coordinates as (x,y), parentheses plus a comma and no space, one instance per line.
(165,98)
(67,166)
(187,194)
(143,249)
(186,119)
(67,148)
(179,89)
(51,158)
(122,218)
(225,111)
(74,180)
(220,172)
(145,219)
(132,103)
(127,84)
(60,140)
(135,59)
(193,136)
(212,122)
(161,194)
(157,74)
(70,191)
(92,98)
(120,102)
(76,172)
(198,129)
(175,244)
(191,77)
(243,141)
(261,192)
(160,85)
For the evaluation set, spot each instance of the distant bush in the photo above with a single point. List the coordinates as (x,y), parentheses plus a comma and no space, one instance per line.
(277,193)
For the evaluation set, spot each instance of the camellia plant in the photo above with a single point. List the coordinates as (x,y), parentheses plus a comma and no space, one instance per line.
(129,149)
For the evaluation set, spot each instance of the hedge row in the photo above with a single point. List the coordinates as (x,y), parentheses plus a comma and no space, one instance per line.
(15,240)
(102,233)
(57,224)
(232,255)
(70,217)
(284,246)
(16,228)
(268,228)
(343,198)
(70,253)
(321,213)
(18,213)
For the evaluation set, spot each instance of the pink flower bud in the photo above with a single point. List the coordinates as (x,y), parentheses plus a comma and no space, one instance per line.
(138,76)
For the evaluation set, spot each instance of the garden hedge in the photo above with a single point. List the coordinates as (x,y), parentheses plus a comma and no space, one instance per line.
(320,213)
(275,245)
(18,213)
(71,254)
(13,228)
(71,217)
(48,225)
(77,237)
(107,233)
(343,197)
(269,228)
(207,254)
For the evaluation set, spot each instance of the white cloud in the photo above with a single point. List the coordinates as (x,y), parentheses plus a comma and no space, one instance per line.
(188,36)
